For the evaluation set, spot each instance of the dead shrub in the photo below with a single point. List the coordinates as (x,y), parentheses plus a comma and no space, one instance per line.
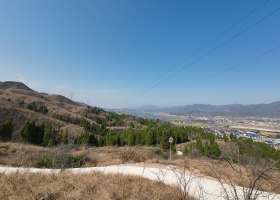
(131,155)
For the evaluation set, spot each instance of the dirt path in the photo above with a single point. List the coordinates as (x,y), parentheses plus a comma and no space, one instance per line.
(197,186)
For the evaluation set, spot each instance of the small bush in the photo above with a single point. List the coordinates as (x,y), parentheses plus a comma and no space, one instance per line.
(95,110)
(207,148)
(78,161)
(131,155)
(191,150)
(38,107)
(161,154)
(60,161)
(33,133)
(45,161)
(46,196)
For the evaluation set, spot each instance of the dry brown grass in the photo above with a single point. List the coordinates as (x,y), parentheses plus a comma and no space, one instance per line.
(25,155)
(116,155)
(17,154)
(83,187)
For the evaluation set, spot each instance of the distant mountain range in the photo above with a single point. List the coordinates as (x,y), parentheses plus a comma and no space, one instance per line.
(234,110)
(16,97)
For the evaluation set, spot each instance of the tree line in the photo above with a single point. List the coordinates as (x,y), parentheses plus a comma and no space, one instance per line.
(98,135)
(246,149)
(205,146)
(154,134)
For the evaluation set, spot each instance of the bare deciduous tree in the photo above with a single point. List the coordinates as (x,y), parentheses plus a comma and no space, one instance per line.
(185,181)
(247,181)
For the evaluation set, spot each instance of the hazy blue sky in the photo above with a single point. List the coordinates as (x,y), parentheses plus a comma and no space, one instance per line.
(122,53)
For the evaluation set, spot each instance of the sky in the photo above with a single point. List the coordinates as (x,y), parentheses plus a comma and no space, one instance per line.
(129,53)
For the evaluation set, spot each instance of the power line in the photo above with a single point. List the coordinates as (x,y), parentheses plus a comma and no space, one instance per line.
(235,36)
(233,25)
(224,32)
(215,48)
(259,56)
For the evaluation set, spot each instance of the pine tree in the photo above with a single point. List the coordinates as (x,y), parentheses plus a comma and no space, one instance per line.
(164,145)
(131,139)
(92,140)
(32,133)
(214,151)
(6,131)
(48,138)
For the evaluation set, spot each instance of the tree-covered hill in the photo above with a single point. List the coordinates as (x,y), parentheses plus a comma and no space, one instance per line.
(20,105)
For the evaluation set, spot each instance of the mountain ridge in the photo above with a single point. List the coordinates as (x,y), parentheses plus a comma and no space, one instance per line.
(235,110)
(13,85)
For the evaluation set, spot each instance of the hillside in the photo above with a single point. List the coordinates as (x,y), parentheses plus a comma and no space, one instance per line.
(21,104)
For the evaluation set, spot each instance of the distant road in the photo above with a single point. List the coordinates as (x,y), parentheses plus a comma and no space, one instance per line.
(256,128)
(197,186)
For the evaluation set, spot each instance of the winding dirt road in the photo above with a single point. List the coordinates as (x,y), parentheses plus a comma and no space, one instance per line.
(196,186)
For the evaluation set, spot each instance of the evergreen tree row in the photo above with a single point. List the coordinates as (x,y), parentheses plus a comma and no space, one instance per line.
(39,134)
(6,131)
